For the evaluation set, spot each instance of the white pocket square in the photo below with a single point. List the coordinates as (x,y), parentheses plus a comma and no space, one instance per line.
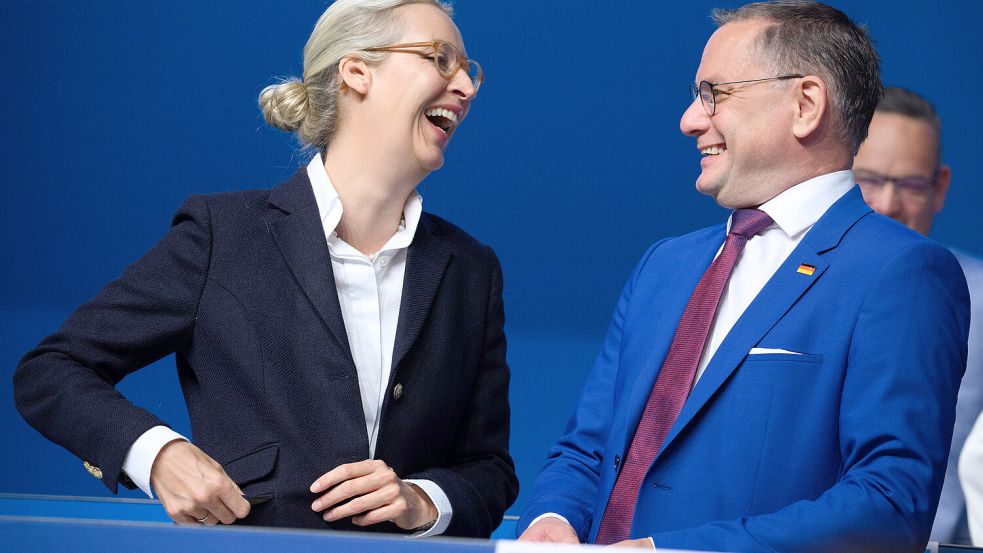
(759,351)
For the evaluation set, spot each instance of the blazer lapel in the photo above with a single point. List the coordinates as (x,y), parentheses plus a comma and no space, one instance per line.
(775,299)
(300,237)
(670,307)
(426,261)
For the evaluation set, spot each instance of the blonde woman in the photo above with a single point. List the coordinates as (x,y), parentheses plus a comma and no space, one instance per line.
(341,352)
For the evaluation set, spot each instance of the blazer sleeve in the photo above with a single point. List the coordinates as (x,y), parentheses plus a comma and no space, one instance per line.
(480,482)
(568,483)
(906,359)
(65,387)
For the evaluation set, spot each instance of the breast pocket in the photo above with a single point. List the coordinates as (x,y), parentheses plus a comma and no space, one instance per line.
(761,359)
(788,374)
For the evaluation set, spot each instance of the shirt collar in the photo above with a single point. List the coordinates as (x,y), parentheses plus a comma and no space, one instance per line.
(330,209)
(797,209)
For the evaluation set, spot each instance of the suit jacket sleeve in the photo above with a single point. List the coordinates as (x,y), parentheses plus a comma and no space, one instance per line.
(65,387)
(906,359)
(480,482)
(568,483)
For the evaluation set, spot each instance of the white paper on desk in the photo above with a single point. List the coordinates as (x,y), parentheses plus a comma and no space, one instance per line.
(509,546)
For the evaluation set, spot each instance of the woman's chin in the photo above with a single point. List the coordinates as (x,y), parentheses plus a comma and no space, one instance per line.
(431,161)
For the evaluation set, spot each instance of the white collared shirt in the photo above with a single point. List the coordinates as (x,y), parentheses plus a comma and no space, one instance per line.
(794,212)
(370,290)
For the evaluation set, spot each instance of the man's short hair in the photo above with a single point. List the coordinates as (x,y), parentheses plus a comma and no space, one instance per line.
(911,104)
(808,37)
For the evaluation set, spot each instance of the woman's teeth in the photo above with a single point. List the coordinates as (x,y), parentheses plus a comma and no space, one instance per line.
(443,118)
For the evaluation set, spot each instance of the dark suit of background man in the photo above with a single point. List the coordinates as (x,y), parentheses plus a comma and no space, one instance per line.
(814,403)
(900,171)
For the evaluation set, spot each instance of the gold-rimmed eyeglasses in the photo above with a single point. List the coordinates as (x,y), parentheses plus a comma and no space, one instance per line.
(707,91)
(445,57)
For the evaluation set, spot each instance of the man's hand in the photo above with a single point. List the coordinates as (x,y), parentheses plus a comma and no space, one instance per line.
(378,495)
(194,488)
(641,543)
(551,530)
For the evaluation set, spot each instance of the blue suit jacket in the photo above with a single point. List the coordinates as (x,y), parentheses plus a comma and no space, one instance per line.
(840,448)
(241,289)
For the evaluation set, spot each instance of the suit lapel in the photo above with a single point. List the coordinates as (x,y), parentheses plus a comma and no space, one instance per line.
(670,307)
(300,237)
(426,261)
(775,299)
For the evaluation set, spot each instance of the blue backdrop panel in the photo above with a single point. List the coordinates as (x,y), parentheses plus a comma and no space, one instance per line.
(569,165)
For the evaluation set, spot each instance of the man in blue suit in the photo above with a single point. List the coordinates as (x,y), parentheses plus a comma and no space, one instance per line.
(785,381)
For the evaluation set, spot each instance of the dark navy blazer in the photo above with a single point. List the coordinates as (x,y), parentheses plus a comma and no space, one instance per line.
(839,448)
(241,289)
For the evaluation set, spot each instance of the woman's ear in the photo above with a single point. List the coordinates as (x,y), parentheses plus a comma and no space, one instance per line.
(355,74)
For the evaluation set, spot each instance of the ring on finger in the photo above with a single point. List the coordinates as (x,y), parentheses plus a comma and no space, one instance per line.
(204,518)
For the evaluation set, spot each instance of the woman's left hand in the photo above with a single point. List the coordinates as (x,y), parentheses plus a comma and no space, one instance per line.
(376,493)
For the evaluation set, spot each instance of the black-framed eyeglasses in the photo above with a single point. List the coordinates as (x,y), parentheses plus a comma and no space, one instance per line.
(707,91)
(445,57)
(917,187)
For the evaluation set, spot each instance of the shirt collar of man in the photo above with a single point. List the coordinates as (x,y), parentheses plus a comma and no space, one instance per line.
(330,209)
(797,209)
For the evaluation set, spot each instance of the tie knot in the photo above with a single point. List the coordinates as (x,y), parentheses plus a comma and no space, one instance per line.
(749,222)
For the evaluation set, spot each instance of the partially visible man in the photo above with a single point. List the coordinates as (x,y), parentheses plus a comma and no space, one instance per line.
(900,172)
(787,381)
(971,477)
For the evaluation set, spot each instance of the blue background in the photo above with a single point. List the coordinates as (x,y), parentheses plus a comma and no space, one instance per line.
(569,165)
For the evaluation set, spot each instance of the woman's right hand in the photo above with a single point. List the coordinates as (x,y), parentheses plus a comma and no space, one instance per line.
(194,488)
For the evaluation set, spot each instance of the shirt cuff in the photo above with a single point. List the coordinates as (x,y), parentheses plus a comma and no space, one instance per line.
(548,515)
(440,501)
(142,454)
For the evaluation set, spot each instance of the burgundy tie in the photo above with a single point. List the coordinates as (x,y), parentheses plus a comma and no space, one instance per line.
(676,377)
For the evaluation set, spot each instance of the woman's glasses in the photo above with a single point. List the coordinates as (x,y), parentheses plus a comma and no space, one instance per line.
(445,57)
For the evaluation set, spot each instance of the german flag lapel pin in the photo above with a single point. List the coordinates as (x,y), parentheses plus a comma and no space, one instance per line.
(806,269)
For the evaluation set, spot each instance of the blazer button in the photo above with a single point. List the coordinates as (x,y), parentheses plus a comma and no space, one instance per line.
(397,391)
(94,471)
(617,462)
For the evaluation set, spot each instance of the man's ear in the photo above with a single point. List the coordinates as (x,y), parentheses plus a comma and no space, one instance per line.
(942,179)
(355,74)
(811,105)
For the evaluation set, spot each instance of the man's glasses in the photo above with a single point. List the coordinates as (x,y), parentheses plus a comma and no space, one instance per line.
(707,91)
(915,187)
(445,57)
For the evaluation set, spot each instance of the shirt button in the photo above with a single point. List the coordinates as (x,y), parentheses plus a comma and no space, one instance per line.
(384,261)
(397,391)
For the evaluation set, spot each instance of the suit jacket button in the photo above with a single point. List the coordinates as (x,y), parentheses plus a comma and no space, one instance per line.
(617,462)
(94,471)
(397,391)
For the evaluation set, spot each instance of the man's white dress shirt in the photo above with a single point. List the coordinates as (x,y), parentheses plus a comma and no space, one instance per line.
(370,290)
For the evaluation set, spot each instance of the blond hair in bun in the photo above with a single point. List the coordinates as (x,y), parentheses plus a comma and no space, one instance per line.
(309,107)
(285,105)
